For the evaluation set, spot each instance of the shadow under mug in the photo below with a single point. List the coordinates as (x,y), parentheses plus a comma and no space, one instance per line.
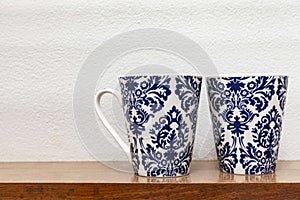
(161,117)
(246,113)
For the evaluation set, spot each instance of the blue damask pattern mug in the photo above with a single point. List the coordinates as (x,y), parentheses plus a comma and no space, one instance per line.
(246,113)
(161,117)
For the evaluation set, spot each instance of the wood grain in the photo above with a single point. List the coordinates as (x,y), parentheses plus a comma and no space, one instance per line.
(93,180)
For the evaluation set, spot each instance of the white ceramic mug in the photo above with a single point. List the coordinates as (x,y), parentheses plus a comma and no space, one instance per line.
(161,117)
(246,113)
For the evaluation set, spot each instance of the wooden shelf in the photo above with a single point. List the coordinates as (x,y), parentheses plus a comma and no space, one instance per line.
(94,180)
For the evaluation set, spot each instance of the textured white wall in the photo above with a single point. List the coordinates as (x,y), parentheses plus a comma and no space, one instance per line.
(43,45)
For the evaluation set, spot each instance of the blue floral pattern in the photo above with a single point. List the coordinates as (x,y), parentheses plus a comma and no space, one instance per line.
(188,90)
(141,100)
(163,157)
(266,136)
(282,90)
(168,151)
(239,102)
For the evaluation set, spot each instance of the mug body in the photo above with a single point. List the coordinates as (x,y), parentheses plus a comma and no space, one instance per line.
(246,113)
(161,117)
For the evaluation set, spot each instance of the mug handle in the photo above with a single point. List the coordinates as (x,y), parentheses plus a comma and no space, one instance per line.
(107,125)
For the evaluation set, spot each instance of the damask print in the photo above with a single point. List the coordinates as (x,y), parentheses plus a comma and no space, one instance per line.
(237,94)
(216,94)
(260,158)
(235,84)
(227,157)
(260,92)
(266,134)
(238,123)
(226,154)
(167,148)
(160,164)
(141,99)
(252,159)
(168,136)
(137,116)
(134,158)
(282,90)
(188,87)
(240,92)
(218,131)
(154,92)
(255,161)
(160,117)
(172,132)
(145,98)
(188,90)
(237,102)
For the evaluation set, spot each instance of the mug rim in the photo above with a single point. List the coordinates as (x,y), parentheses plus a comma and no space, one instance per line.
(247,75)
(159,75)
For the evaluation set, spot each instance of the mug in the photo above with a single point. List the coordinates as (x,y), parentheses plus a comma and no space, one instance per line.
(160,116)
(246,113)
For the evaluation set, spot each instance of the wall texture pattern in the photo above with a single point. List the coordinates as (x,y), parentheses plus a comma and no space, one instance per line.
(43,45)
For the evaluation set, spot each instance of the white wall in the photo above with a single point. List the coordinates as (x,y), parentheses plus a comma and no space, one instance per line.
(43,45)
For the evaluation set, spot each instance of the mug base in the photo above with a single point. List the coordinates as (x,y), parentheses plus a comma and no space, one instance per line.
(245,174)
(161,176)
(169,179)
